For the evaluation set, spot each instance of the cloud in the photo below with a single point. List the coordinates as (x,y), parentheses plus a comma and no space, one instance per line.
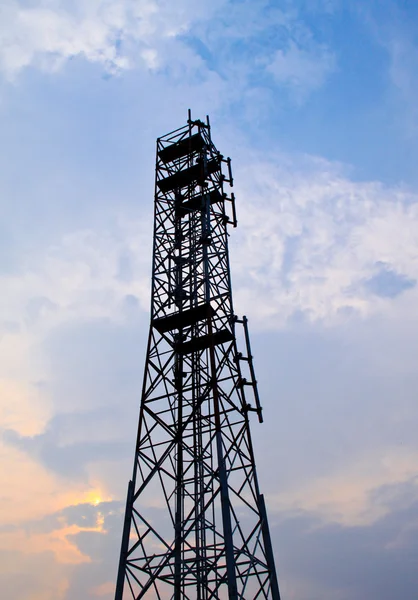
(29,490)
(22,406)
(389,284)
(394,29)
(48,35)
(350,498)
(22,576)
(330,561)
(79,275)
(191,42)
(72,458)
(261,48)
(49,296)
(62,544)
(118,35)
(95,534)
(403,54)
(315,560)
(312,242)
(328,215)
(309,238)
(308,251)
(302,71)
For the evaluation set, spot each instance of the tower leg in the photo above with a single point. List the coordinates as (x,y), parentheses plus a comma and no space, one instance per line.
(268,549)
(125,543)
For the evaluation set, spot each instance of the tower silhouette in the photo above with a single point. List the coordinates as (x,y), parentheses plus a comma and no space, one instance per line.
(195,522)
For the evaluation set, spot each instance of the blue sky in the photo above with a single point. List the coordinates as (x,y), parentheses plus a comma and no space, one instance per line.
(315,101)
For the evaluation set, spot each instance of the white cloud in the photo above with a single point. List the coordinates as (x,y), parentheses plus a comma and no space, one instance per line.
(87,277)
(47,34)
(124,34)
(111,32)
(307,240)
(310,239)
(80,278)
(302,70)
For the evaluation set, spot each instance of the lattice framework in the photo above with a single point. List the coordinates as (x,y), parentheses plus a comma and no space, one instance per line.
(195,522)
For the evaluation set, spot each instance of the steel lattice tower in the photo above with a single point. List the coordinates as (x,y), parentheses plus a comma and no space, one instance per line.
(195,523)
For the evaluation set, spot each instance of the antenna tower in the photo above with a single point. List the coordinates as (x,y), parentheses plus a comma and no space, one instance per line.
(195,523)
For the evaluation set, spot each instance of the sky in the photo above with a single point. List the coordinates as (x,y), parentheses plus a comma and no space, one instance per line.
(316,103)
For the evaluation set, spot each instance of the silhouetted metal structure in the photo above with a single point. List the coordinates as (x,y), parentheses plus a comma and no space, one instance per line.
(195,524)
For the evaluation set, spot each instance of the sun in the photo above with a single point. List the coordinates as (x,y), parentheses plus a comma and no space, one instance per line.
(94,497)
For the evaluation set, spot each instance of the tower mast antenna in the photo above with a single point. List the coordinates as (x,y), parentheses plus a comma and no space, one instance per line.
(195,522)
